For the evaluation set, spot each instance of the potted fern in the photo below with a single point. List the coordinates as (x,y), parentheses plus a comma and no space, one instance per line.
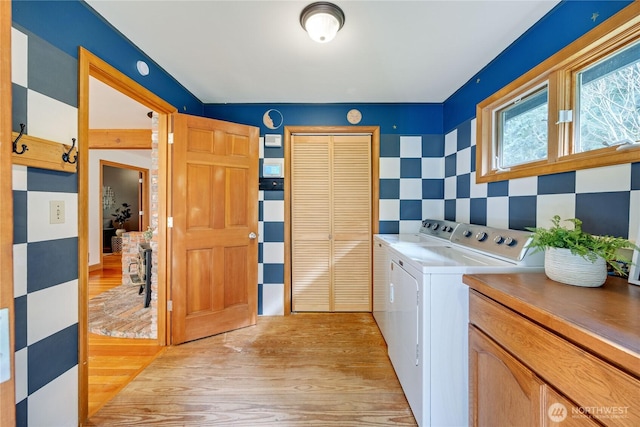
(575,257)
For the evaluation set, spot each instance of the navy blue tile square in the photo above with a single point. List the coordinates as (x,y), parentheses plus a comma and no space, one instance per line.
(463,186)
(410,209)
(389,145)
(433,146)
(51,357)
(260,252)
(52,72)
(473,158)
(274,152)
(260,167)
(49,180)
(410,168)
(464,135)
(260,299)
(450,167)
(450,210)
(273,232)
(19,216)
(604,213)
(635,176)
(390,188)
(274,195)
(558,183)
(478,211)
(522,212)
(260,210)
(20,316)
(22,411)
(51,262)
(498,189)
(19,108)
(273,273)
(389,227)
(433,189)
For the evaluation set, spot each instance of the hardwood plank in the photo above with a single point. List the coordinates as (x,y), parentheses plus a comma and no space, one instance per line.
(311,369)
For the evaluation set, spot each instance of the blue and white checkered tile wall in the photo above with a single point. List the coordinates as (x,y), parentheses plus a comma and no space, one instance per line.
(606,199)
(45,255)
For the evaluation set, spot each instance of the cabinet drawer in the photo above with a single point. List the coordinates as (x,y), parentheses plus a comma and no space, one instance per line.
(566,414)
(582,377)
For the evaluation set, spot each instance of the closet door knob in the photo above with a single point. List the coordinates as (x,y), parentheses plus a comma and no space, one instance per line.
(252,235)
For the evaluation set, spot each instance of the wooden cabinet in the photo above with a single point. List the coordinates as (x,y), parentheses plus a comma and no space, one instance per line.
(529,367)
(331,222)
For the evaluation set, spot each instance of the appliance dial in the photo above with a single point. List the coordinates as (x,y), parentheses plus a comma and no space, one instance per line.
(481,236)
(435,226)
(510,241)
(498,239)
(466,233)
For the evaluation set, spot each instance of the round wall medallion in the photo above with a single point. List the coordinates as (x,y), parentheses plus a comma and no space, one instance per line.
(272,119)
(354,116)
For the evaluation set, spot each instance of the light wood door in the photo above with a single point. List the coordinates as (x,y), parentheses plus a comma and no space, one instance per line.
(214,204)
(331,222)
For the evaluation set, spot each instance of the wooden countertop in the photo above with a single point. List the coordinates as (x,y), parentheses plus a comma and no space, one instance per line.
(604,320)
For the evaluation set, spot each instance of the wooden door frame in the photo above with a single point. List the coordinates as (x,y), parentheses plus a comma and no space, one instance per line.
(90,65)
(7,388)
(375,187)
(144,196)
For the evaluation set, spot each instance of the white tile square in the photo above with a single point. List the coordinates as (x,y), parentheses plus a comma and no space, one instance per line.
(21,377)
(19,178)
(409,226)
(523,186)
(51,119)
(273,252)
(634,216)
(19,57)
(273,299)
(260,272)
(473,132)
(450,187)
(273,210)
(463,210)
(433,209)
(451,142)
(476,190)
(56,404)
(48,310)
(433,168)
(38,219)
(389,210)
(411,189)
(261,147)
(389,167)
(19,270)
(260,195)
(260,231)
(411,146)
(548,205)
(463,161)
(608,178)
(498,212)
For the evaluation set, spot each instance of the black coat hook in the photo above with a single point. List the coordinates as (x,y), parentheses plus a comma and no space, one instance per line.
(67,155)
(15,143)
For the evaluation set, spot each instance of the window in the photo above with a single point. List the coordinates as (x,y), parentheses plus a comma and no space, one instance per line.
(578,109)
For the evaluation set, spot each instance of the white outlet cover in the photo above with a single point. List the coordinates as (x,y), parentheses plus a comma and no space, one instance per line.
(56,212)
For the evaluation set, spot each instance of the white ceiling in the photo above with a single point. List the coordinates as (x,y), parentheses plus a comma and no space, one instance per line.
(387,51)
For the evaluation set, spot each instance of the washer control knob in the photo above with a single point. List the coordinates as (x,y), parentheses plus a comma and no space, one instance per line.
(498,240)
(466,233)
(510,241)
(481,236)
(435,226)
(426,223)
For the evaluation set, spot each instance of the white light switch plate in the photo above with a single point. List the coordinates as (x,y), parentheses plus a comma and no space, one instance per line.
(56,212)
(5,361)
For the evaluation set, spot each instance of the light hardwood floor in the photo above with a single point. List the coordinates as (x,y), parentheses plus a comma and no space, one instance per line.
(303,369)
(113,362)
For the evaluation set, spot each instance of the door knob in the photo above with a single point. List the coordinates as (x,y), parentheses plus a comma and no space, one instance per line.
(252,235)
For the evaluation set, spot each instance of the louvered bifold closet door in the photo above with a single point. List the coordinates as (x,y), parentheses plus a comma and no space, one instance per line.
(351,228)
(311,223)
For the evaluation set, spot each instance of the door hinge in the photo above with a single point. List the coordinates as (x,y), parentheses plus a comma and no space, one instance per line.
(170,139)
(170,222)
(140,181)
(169,305)
(140,213)
(565,116)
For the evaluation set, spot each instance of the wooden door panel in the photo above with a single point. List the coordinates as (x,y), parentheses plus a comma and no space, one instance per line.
(311,276)
(214,206)
(352,276)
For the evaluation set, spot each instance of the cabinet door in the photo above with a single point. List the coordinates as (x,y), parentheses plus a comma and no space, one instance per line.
(502,391)
(561,412)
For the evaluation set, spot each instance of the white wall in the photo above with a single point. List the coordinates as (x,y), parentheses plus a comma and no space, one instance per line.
(137,158)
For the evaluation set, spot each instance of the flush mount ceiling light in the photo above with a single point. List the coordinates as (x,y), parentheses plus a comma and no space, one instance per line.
(142,68)
(322,20)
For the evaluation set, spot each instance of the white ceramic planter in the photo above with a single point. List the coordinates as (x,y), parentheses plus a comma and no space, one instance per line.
(564,267)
